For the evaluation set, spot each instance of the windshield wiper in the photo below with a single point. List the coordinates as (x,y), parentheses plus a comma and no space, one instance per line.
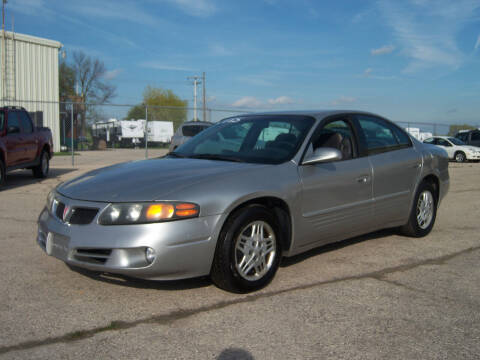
(215,157)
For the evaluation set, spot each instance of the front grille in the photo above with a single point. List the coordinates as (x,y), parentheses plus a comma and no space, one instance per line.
(92,256)
(59,210)
(83,216)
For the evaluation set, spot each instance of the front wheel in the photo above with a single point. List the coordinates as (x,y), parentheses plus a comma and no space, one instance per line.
(41,170)
(423,213)
(248,251)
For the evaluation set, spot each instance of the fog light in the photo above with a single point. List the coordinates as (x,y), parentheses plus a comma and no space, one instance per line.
(150,255)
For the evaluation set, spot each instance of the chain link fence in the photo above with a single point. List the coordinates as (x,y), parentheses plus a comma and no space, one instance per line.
(78,127)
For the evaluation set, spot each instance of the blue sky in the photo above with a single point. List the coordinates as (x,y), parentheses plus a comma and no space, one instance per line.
(409,60)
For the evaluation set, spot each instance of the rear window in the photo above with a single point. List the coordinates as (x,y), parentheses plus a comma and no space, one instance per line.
(192,130)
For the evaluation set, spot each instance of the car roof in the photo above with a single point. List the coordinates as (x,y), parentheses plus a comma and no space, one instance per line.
(197,123)
(315,113)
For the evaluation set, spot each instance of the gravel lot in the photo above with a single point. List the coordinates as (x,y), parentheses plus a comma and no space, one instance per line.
(377,296)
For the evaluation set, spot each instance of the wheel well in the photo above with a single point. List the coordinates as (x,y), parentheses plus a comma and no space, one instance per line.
(46,148)
(459,151)
(281,212)
(433,180)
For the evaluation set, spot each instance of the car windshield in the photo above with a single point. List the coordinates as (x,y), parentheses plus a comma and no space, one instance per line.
(267,139)
(456,141)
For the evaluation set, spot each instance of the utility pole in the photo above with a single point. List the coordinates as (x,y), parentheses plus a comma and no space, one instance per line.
(204,98)
(195,83)
(4,47)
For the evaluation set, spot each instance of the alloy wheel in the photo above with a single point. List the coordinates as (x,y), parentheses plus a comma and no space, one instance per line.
(255,250)
(425,206)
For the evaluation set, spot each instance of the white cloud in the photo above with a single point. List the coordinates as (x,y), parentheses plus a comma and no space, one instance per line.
(367,72)
(161,66)
(387,49)
(220,50)
(477,44)
(112,74)
(248,102)
(258,80)
(343,100)
(200,8)
(120,10)
(426,30)
(281,100)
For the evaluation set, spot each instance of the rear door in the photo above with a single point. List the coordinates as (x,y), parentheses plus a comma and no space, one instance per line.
(30,142)
(396,168)
(336,200)
(445,145)
(13,139)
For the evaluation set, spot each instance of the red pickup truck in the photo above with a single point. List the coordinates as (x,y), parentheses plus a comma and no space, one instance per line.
(22,145)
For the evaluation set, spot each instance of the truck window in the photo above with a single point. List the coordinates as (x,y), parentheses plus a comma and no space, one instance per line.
(26,123)
(13,121)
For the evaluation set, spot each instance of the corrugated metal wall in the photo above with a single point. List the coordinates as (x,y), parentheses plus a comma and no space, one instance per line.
(36,79)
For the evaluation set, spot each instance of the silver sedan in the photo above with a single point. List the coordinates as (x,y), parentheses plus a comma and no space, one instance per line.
(235,199)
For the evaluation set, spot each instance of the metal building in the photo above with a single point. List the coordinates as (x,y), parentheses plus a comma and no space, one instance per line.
(29,78)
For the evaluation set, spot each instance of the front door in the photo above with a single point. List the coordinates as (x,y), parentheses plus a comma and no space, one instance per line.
(336,196)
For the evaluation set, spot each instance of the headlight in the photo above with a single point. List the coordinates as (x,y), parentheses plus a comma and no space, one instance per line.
(50,200)
(144,213)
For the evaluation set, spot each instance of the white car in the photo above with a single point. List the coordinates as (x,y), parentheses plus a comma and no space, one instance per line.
(456,149)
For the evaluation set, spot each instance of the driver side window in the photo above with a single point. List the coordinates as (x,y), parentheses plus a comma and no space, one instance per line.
(335,134)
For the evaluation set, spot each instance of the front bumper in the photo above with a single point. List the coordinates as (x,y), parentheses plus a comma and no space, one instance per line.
(474,156)
(183,248)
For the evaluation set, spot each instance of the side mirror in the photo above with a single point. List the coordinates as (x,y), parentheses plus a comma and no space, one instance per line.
(13,130)
(322,155)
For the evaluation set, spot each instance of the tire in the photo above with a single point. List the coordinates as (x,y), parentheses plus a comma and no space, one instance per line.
(41,170)
(460,157)
(423,213)
(3,173)
(243,262)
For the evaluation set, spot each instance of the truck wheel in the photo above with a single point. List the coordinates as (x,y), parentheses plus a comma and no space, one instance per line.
(41,170)
(460,157)
(2,173)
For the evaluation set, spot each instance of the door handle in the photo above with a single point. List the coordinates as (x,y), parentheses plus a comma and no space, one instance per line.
(363,179)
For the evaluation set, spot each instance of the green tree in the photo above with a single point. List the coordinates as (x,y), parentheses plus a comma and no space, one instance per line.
(455,128)
(163,105)
(66,81)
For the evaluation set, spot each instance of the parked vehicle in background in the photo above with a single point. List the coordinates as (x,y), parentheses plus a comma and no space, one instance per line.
(456,149)
(159,132)
(186,131)
(23,145)
(283,184)
(469,137)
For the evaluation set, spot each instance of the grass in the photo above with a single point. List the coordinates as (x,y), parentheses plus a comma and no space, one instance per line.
(64,153)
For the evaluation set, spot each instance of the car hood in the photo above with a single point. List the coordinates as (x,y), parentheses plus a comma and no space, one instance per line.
(148,180)
(468,147)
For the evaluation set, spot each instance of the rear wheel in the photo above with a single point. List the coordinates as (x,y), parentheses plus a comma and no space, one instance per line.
(41,170)
(460,157)
(423,213)
(248,251)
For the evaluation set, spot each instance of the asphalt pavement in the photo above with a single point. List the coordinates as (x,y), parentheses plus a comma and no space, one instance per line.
(381,296)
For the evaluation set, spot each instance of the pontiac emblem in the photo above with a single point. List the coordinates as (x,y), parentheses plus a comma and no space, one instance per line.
(67,213)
